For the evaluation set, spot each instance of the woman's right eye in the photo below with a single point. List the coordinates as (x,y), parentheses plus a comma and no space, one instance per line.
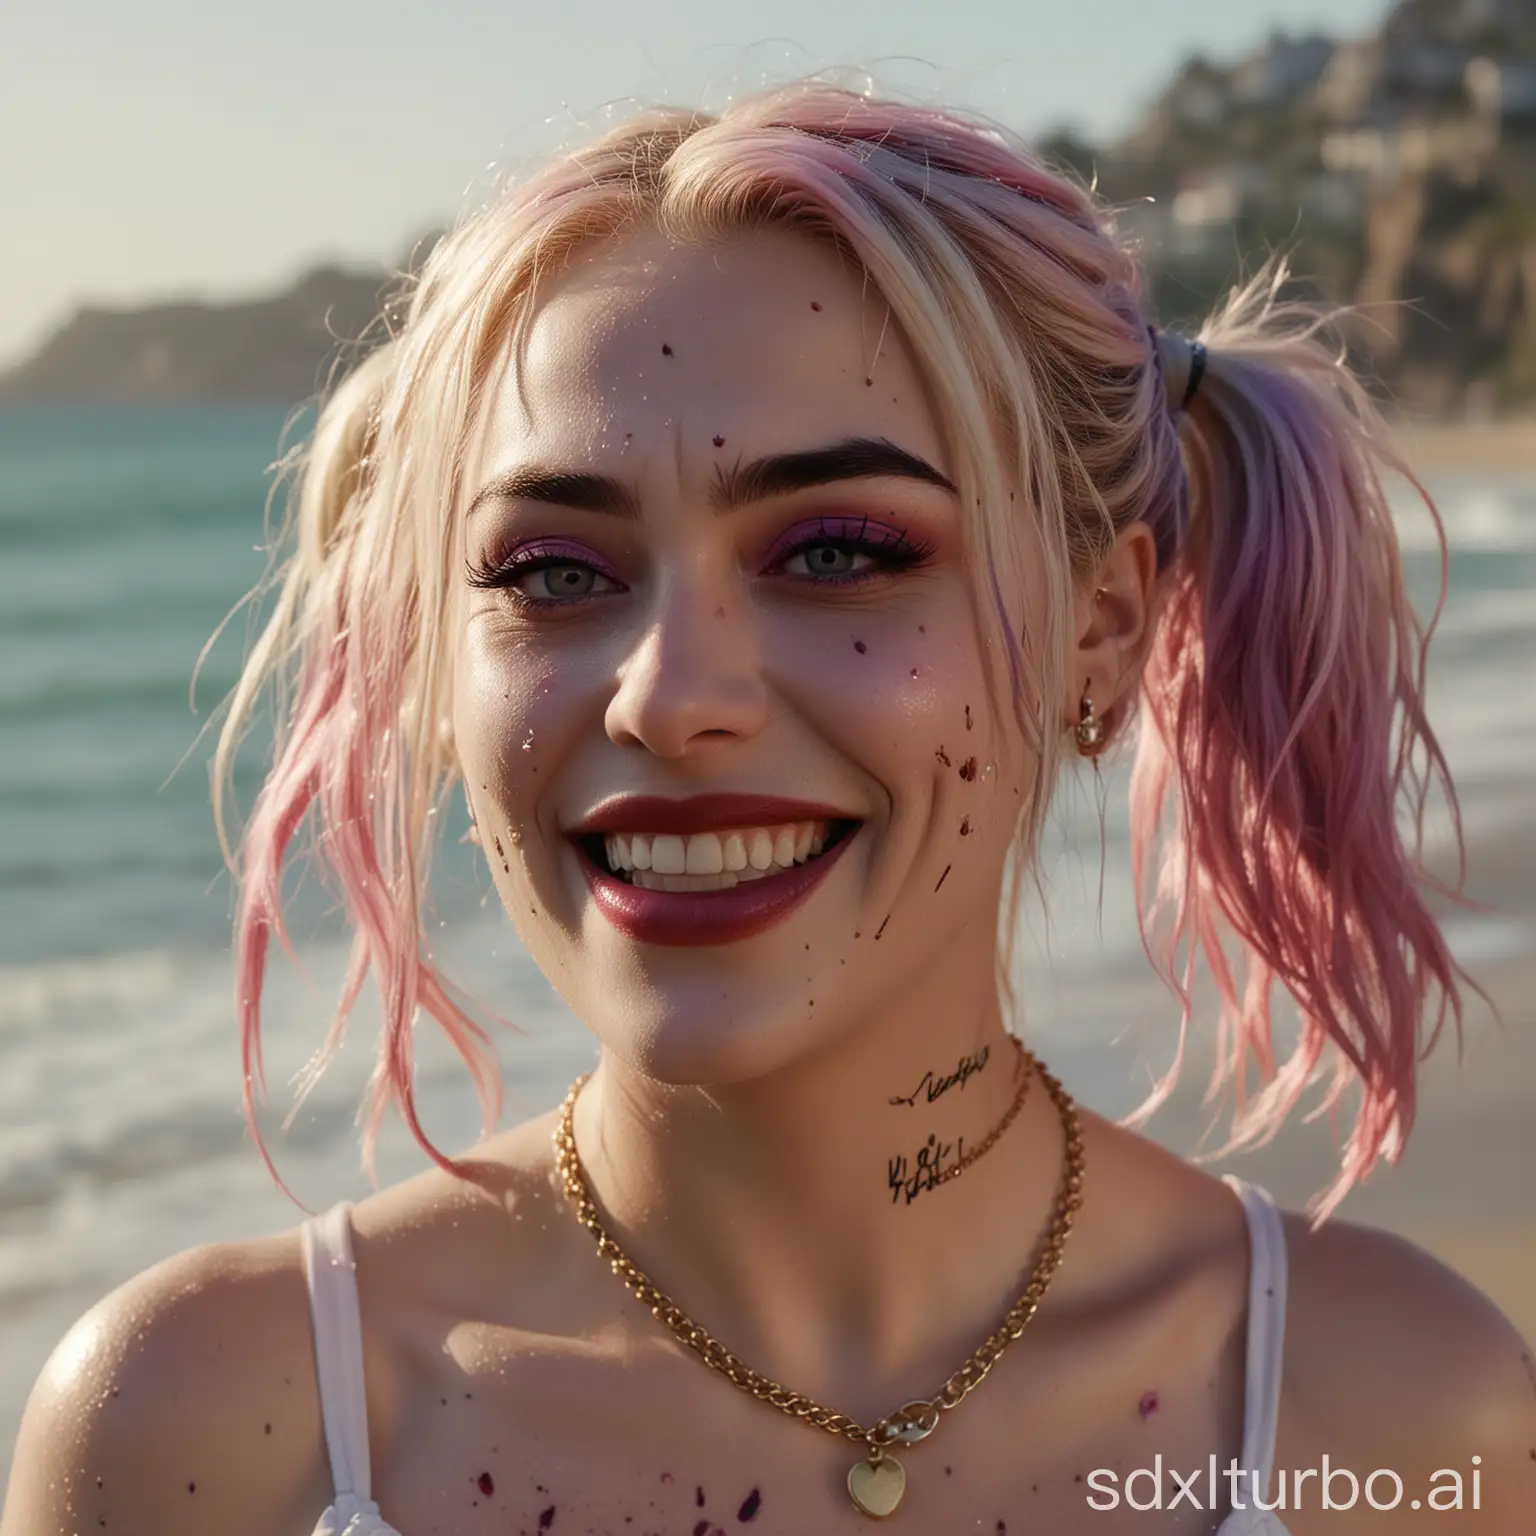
(544,579)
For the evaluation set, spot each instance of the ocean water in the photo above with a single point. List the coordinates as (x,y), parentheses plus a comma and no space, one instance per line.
(125,538)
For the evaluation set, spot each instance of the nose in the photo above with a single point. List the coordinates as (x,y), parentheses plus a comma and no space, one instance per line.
(693,676)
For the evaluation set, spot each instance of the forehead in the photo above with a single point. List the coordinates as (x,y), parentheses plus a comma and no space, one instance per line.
(770,340)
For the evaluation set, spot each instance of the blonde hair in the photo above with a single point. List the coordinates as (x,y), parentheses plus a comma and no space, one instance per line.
(1269,772)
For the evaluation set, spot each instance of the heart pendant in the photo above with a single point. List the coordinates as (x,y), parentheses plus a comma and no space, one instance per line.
(877,1486)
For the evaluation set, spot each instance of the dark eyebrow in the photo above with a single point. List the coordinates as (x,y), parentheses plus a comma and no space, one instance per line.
(855,458)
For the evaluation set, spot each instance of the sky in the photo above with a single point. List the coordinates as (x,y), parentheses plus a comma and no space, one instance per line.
(182,148)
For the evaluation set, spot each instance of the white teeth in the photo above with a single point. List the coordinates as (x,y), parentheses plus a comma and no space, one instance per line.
(667,854)
(705,856)
(708,861)
(649,880)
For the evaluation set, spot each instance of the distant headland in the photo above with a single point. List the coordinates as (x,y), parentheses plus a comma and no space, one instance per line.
(1398,169)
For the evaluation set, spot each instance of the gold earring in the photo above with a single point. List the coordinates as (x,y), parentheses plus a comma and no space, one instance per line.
(1089,728)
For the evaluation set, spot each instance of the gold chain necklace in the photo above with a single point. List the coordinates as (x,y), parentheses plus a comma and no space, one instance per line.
(876,1484)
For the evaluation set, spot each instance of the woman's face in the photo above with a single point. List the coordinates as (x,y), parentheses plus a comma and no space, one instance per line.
(644,614)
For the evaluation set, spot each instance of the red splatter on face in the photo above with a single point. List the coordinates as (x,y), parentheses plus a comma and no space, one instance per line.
(750,1506)
(487,1484)
(965,826)
(1148,1405)
(860,647)
(968,769)
(942,756)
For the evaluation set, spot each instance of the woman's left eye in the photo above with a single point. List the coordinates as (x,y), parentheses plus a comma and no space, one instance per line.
(826,559)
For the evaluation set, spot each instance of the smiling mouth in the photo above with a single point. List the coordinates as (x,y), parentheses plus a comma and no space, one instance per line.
(711,861)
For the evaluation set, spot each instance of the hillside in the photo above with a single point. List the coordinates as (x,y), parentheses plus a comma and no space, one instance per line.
(1398,169)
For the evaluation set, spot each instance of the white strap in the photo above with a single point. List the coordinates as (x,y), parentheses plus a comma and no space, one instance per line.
(330,1271)
(1266,1330)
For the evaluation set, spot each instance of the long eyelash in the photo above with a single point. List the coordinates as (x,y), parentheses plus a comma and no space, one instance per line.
(502,572)
(896,550)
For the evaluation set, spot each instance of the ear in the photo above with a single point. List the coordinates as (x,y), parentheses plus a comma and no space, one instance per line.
(1113,621)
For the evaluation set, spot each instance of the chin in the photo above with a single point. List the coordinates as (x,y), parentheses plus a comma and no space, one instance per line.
(710,1031)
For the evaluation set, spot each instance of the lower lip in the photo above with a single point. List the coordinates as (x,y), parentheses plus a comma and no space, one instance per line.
(706,917)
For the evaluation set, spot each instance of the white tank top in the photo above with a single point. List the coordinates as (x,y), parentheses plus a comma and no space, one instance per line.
(330,1273)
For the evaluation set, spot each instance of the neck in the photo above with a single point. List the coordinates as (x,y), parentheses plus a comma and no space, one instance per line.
(797,1217)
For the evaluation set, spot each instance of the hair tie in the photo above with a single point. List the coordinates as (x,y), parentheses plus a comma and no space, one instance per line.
(1182,365)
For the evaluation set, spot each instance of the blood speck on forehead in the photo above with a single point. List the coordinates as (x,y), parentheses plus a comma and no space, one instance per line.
(968,769)
(1148,1405)
(750,1506)
(942,756)
(487,1484)
(860,647)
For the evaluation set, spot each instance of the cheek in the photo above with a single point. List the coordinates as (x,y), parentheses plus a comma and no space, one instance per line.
(505,722)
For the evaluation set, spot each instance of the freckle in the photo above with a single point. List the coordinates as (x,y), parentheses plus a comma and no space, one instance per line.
(269,1429)
(914,671)
(881,928)
(965,826)
(444,1402)
(1148,1405)
(98,1480)
(719,441)
(943,877)
(942,756)
(487,1484)
(856,933)
(666,1477)
(1002,1530)
(719,613)
(949,1471)
(191,1487)
(869,382)
(860,647)
(1077,1477)
(816,306)
(666,350)
(968,769)
(750,1506)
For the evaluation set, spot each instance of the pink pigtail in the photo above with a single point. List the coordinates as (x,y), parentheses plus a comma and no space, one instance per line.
(1284,719)
(341,760)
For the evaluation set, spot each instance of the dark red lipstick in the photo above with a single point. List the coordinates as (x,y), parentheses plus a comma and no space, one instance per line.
(703,917)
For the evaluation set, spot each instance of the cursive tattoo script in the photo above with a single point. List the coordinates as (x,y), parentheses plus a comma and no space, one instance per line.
(929,1172)
(935,1086)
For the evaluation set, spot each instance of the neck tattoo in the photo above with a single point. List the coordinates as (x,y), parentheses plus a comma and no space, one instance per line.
(933,1087)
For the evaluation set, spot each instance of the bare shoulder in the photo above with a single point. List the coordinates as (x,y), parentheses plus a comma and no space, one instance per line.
(183,1401)
(1394,1361)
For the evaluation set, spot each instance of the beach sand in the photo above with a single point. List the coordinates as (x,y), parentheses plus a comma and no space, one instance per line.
(1496,447)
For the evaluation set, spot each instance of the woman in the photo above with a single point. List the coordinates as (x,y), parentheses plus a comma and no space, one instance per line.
(751,513)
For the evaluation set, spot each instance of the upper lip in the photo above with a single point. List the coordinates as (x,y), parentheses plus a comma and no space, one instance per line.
(699,813)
